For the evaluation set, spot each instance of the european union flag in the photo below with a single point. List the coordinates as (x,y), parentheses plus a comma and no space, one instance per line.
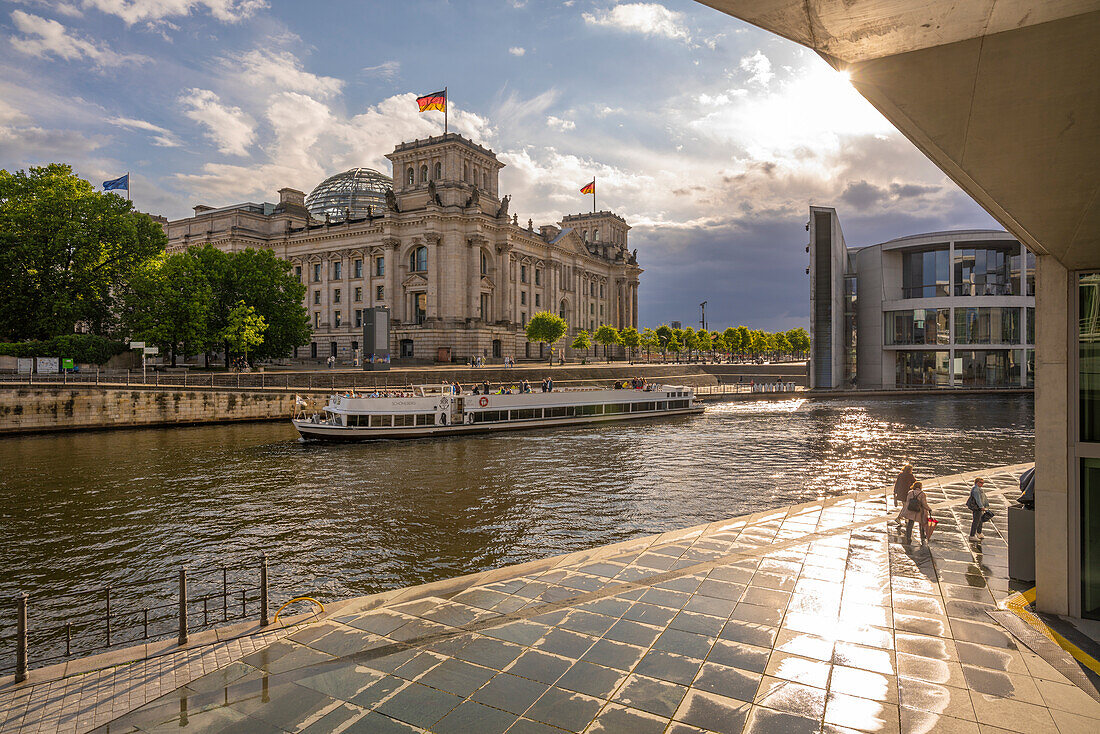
(122,182)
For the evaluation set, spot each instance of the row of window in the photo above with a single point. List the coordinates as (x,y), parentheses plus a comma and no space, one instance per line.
(379,295)
(572,411)
(338,269)
(986,270)
(976,325)
(405,420)
(964,368)
(477,177)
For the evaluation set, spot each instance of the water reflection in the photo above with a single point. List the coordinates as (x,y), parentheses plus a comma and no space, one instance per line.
(84,510)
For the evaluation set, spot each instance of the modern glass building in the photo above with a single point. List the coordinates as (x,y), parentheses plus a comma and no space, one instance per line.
(943,309)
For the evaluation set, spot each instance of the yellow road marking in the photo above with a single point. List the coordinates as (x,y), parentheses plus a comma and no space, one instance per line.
(1018,604)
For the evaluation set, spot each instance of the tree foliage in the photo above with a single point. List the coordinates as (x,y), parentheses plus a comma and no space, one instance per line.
(81,348)
(650,340)
(244,329)
(65,250)
(546,327)
(608,336)
(167,303)
(799,339)
(631,339)
(582,341)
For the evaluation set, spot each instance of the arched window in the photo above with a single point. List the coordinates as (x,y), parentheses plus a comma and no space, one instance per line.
(423,174)
(418,260)
(438,171)
(409,175)
(466,172)
(584,235)
(561,309)
(596,235)
(485,180)
(484,263)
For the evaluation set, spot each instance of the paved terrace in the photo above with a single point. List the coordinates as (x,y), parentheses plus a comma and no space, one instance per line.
(814,618)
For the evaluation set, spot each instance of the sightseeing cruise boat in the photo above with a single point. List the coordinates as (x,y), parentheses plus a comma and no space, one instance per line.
(422,411)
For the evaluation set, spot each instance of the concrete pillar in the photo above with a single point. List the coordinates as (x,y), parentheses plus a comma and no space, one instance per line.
(1055,526)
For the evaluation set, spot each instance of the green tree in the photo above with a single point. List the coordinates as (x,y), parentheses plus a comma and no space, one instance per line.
(244,330)
(167,303)
(631,339)
(547,328)
(674,345)
(608,336)
(799,339)
(664,336)
(718,339)
(758,342)
(650,340)
(582,341)
(689,340)
(733,339)
(782,344)
(703,341)
(744,339)
(65,252)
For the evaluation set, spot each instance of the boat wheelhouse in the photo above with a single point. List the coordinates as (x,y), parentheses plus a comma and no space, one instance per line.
(422,411)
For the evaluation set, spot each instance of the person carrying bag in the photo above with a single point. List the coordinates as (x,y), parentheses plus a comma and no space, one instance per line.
(978,504)
(916,510)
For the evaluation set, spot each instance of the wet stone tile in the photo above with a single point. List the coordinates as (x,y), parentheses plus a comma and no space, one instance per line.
(526,726)
(800,670)
(613,654)
(489,652)
(540,666)
(377,691)
(634,633)
(935,698)
(419,705)
(591,679)
(703,624)
(587,623)
(757,614)
(720,589)
(668,666)
(510,693)
(767,721)
(344,682)
(563,642)
(710,605)
(793,698)
(649,614)
(565,709)
(713,713)
(651,694)
(474,717)
(522,632)
(617,719)
(739,655)
(726,681)
(457,677)
(982,634)
(750,633)
(864,684)
(684,643)
(861,713)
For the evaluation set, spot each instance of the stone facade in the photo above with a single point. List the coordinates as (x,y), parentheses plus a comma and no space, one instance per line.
(454,268)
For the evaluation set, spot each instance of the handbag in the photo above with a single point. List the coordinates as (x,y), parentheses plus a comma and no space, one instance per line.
(972,504)
(987,516)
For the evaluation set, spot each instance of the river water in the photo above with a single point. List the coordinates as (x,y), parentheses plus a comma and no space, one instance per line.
(85,510)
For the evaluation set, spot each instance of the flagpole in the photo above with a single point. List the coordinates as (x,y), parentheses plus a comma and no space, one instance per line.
(127,186)
(446,111)
(593,194)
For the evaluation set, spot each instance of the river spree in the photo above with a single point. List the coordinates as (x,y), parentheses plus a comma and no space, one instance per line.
(82,511)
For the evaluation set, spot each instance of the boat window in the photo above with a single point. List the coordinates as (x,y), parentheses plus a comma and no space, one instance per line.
(381,421)
(425,419)
(404,420)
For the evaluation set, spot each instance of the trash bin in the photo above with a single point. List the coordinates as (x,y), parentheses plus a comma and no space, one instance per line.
(1021,531)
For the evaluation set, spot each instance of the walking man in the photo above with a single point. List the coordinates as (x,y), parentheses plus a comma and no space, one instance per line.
(978,504)
(901,489)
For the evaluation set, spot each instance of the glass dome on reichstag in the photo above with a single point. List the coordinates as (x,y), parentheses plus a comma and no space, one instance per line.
(360,191)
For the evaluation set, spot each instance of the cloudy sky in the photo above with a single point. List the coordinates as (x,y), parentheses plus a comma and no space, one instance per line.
(709,136)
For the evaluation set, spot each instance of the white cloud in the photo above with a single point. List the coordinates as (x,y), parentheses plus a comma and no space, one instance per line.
(651,19)
(138,11)
(517,50)
(282,70)
(559,124)
(161,137)
(759,67)
(55,6)
(229,127)
(387,70)
(47,38)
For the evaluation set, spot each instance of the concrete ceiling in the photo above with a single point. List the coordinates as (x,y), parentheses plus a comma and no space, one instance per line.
(1003,95)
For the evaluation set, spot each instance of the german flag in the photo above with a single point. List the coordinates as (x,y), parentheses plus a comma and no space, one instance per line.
(589,188)
(433,101)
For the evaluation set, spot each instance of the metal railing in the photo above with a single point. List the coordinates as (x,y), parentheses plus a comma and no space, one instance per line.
(732,388)
(226,594)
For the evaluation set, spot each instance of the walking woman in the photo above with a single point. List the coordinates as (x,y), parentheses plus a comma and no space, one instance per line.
(901,489)
(978,504)
(916,510)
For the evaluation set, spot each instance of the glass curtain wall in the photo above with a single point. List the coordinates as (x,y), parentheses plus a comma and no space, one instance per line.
(922,368)
(988,368)
(925,274)
(987,271)
(987,325)
(918,326)
(1088,360)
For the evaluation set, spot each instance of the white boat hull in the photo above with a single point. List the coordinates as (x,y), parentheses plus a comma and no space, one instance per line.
(328,432)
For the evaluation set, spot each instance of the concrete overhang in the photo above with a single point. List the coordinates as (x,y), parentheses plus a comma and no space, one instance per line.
(1003,95)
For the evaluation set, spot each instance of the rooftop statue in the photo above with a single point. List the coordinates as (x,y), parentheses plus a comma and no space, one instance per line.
(391,201)
(502,213)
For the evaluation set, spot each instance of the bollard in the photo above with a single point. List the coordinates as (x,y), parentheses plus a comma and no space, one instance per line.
(108,616)
(21,640)
(183,606)
(263,590)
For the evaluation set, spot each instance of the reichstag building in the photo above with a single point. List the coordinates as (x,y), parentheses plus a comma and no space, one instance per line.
(437,246)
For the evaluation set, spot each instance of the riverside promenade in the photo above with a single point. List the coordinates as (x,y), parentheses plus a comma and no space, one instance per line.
(812,618)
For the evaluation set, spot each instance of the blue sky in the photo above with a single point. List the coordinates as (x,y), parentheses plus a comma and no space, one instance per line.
(709,136)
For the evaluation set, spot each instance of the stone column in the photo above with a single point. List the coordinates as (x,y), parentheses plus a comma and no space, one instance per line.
(391,279)
(434,242)
(474,243)
(634,305)
(504,290)
(1057,550)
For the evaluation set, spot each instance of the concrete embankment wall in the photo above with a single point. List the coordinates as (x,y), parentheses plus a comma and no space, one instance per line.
(28,409)
(790,372)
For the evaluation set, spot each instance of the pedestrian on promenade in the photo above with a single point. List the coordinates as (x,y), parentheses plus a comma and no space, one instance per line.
(916,510)
(978,504)
(901,489)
